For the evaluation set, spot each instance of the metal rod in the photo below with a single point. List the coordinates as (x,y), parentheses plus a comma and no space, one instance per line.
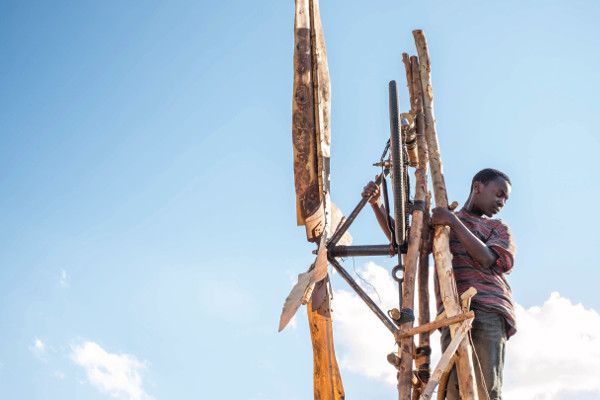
(364,296)
(357,251)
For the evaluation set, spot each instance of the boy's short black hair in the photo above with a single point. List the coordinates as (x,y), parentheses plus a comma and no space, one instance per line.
(487,175)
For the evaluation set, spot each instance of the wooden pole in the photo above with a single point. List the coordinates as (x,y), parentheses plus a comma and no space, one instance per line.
(406,350)
(441,245)
(327,381)
(423,352)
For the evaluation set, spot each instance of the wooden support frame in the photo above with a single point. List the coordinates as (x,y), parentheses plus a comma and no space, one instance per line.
(431,326)
(441,245)
(445,362)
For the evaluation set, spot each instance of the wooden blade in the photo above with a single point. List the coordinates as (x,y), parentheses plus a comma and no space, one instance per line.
(310,121)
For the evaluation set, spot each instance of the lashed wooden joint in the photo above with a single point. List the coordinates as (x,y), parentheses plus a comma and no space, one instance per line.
(445,362)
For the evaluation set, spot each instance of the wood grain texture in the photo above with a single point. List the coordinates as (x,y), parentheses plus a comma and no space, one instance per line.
(327,381)
(306,178)
(311,144)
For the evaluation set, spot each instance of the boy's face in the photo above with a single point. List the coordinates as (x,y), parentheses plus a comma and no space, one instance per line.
(490,197)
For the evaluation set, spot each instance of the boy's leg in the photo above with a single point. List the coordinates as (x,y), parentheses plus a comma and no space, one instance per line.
(489,344)
(489,340)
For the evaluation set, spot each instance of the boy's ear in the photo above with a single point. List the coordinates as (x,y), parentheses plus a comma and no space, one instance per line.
(476,187)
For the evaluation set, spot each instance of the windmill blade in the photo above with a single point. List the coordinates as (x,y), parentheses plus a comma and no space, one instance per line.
(337,217)
(311,143)
(294,299)
(302,290)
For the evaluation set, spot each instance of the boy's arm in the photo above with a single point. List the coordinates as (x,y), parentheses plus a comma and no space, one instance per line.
(372,190)
(481,253)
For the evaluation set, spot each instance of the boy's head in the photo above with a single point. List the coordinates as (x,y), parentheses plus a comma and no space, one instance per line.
(490,189)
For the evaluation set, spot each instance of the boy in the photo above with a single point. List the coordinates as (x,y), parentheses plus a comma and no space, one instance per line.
(482,254)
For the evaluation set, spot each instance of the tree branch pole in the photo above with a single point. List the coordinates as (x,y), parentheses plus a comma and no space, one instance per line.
(406,344)
(441,243)
(422,355)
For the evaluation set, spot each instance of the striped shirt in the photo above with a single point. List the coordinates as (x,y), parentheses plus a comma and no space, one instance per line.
(493,291)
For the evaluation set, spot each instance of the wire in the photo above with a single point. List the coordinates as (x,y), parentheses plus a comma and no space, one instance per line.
(365,281)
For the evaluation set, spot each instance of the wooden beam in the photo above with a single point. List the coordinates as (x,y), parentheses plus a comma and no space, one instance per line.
(406,343)
(422,358)
(438,323)
(441,244)
(445,362)
(306,176)
(327,381)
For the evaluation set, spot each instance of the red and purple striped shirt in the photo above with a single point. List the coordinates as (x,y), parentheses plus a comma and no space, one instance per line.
(493,291)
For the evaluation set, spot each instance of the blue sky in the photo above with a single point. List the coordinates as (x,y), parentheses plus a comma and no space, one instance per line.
(146,192)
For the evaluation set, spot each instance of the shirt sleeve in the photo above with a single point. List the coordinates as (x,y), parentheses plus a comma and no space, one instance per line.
(501,242)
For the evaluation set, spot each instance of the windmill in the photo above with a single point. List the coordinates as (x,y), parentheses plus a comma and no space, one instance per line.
(412,144)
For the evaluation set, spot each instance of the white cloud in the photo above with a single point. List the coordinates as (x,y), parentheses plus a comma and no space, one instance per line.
(557,344)
(364,341)
(119,375)
(65,279)
(38,348)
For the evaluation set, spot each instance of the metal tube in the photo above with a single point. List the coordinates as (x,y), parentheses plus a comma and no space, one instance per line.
(357,251)
(364,296)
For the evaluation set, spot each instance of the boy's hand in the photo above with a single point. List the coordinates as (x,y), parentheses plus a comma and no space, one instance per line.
(442,216)
(371,190)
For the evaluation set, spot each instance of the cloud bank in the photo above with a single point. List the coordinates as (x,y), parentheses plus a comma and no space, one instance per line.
(555,355)
(118,375)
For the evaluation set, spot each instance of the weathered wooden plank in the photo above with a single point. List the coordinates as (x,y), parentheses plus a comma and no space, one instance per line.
(306,179)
